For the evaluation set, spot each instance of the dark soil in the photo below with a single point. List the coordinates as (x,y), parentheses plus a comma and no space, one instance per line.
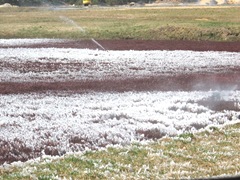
(143,45)
(182,82)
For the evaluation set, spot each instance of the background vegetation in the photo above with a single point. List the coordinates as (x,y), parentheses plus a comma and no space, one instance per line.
(166,23)
(58,2)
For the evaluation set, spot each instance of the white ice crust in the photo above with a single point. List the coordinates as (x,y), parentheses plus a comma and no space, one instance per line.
(98,64)
(101,118)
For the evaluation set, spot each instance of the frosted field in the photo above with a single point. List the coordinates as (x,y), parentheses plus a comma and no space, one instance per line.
(53,64)
(75,121)
(57,122)
(22,42)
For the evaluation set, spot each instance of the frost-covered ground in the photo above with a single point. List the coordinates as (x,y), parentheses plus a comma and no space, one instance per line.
(56,122)
(22,42)
(59,123)
(53,64)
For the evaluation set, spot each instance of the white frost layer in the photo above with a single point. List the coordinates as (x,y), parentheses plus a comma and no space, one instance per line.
(20,42)
(105,118)
(78,64)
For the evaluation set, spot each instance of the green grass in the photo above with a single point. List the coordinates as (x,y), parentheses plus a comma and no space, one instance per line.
(213,24)
(210,153)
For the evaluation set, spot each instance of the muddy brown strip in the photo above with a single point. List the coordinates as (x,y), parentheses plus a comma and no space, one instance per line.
(182,82)
(139,45)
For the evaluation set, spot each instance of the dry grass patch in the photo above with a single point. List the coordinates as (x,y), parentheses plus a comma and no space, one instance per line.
(123,23)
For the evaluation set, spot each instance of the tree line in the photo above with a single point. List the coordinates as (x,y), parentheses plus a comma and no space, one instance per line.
(62,2)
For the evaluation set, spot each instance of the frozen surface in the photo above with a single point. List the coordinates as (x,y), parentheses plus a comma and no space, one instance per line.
(52,64)
(21,42)
(63,121)
(76,121)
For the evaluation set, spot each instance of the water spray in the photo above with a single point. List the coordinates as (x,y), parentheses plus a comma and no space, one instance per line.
(97,43)
(71,22)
